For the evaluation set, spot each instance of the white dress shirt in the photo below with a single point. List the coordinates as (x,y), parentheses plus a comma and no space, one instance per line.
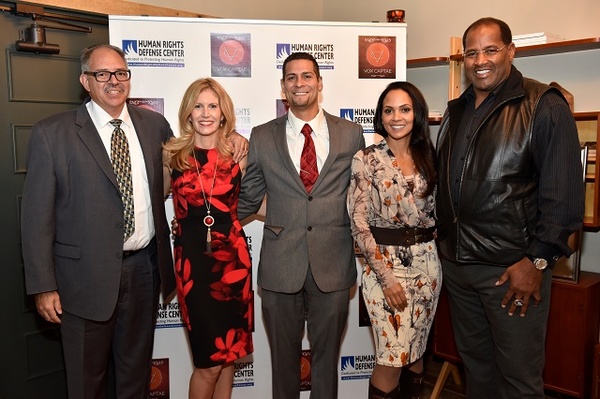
(144,222)
(295,138)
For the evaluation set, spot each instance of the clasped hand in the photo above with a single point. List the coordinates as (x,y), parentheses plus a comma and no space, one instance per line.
(395,297)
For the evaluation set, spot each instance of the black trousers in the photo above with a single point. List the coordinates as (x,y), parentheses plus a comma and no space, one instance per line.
(504,356)
(126,339)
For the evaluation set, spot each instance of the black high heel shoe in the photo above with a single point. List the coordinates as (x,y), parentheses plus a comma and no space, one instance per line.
(411,385)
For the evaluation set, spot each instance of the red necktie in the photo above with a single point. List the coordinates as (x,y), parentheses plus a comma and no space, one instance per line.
(308,160)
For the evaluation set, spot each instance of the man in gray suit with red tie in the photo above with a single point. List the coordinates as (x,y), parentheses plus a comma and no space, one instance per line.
(95,237)
(301,162)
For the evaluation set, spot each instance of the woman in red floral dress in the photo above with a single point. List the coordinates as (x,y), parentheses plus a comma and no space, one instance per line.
(212,262)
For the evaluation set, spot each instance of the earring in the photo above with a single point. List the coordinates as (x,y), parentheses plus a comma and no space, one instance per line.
(221,124)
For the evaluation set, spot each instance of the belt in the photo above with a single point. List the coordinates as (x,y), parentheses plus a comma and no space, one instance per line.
(403,236)
(127,254)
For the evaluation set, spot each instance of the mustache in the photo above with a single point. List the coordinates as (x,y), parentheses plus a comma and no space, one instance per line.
(112,86)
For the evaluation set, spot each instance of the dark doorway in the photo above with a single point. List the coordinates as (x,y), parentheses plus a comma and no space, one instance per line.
(32,86)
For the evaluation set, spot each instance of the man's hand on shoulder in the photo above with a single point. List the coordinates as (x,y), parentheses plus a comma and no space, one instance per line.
(49,306)
(240,146)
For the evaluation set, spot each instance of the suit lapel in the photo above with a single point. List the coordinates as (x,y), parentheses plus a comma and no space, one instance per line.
(91,138)
(280,140)
(335,138)
(146,142)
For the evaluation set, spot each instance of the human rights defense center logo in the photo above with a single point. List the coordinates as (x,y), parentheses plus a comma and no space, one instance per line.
(357,367)
(376,57)
(230,55)
(154,53)
(362,116)
(347,113)
(283,51)
(243,374)
(130,47)
(323,53)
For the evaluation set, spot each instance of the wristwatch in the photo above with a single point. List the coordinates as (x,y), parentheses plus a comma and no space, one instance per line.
(540,263)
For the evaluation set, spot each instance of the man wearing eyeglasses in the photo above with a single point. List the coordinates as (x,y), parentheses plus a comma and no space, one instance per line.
(510,193)
(90,271)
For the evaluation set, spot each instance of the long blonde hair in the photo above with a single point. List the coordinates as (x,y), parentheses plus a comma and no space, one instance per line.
(179,148)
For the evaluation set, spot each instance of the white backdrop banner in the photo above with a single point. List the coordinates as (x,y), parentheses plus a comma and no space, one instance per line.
(357,61)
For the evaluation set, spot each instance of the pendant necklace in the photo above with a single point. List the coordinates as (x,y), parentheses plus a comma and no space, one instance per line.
(208,219)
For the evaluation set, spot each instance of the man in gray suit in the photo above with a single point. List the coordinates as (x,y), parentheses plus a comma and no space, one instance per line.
(307,264)
(88,273)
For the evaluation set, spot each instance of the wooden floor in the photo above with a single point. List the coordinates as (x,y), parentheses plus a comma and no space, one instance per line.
(433,366)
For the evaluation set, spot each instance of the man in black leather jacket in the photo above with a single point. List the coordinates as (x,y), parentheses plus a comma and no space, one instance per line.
(510,192)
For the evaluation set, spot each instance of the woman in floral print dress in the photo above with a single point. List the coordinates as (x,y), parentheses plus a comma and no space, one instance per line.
(212,262)
(392,210)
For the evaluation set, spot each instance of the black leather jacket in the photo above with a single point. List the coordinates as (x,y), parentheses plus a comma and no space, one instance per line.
(497,209)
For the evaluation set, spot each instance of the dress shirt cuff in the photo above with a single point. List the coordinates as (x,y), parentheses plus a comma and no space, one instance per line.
(538,249)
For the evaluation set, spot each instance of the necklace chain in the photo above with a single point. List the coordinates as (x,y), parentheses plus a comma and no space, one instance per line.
(208,219)
(207,203)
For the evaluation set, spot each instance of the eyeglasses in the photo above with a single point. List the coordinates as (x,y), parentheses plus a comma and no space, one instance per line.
(122,75)
(488,52)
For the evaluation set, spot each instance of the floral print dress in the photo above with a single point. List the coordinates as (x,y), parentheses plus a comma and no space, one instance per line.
(381,196)
(214,288)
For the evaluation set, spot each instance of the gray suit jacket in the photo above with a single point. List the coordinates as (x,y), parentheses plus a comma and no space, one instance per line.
(72,214)
(300,228)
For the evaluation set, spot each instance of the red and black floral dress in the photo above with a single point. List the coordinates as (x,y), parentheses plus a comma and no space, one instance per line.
(214,287)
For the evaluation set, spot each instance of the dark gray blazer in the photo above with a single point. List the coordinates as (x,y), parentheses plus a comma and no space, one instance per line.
(72,214)
(302,228)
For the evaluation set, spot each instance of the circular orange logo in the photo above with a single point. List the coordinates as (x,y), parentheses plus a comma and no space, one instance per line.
(231,52)
(155,378)
(304,368)
(378,54)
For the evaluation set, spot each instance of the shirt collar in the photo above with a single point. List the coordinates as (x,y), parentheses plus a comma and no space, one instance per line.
(101,118)
(317,124)
(470,93)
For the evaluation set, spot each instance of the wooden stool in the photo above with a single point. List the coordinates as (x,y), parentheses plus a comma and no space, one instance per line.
(447,369)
